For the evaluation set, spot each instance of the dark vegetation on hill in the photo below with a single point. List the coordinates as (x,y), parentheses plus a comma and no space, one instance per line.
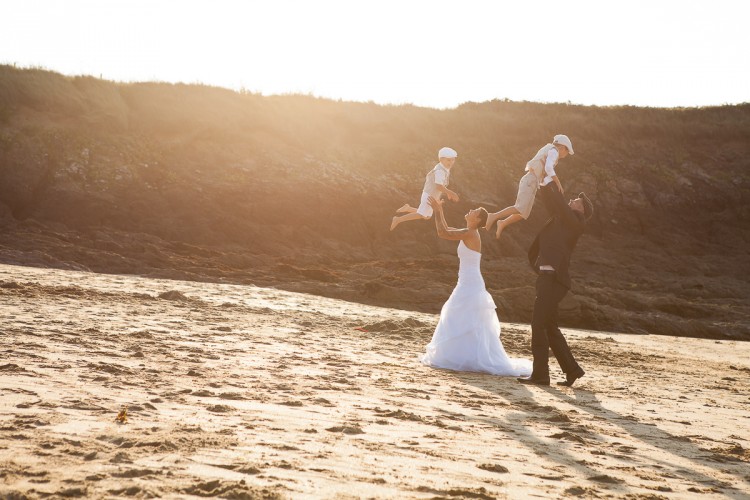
(202,183)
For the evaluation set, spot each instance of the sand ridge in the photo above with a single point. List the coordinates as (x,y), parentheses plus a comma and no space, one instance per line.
(246,392)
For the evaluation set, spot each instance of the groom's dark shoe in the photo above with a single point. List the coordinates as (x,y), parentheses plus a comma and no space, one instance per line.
(533,380)
(571,378)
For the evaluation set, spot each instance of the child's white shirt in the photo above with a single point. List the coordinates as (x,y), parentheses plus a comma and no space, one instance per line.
(439,175)
(541,164)
(549,165)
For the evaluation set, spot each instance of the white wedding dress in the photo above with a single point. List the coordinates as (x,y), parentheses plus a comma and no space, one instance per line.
(467,336)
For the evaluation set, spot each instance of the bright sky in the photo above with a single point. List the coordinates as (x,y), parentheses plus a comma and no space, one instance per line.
(437,53)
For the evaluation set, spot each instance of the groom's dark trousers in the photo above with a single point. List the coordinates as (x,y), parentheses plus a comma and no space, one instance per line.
(545,333)
(552,248)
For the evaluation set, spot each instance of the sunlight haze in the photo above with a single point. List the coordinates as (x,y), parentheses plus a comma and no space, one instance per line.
(428,53)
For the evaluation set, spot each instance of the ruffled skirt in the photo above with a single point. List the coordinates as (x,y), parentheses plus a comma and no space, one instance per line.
(467,336)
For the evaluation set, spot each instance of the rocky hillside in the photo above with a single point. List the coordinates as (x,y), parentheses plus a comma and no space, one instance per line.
(203,183)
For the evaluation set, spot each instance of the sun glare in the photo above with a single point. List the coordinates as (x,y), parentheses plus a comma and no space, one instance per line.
(430,53)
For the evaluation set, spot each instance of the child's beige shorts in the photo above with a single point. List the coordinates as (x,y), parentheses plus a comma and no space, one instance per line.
(425,210)
(527,189)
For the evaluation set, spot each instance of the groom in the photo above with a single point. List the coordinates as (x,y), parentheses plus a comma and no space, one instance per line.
(549,256)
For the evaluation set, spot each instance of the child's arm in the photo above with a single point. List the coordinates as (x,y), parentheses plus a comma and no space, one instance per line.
(559,185)
(549,167)
(451,195)
(445,232)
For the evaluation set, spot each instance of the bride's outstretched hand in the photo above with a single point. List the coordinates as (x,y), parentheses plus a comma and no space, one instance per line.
(435,204)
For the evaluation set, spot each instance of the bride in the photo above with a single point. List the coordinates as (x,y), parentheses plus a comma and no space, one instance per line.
(467,336)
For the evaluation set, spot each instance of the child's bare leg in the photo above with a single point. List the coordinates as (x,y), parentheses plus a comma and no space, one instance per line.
(505,212)
(398,220)
(507,222)
(406,209)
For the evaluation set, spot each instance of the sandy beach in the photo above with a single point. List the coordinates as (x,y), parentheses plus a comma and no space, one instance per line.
(247,392)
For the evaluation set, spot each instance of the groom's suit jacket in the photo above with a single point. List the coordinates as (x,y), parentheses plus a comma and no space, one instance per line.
(555,242)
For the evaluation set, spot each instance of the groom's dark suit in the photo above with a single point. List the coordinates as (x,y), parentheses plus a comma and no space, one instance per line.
(553,247)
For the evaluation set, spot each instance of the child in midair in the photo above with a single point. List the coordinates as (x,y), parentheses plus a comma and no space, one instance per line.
(435,185)
(540,171)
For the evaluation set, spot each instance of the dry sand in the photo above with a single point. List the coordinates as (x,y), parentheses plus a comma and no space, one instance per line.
(246,392)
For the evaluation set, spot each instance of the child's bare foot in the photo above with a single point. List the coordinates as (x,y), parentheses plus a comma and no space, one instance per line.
(405,208)
(394,223)
(500,228)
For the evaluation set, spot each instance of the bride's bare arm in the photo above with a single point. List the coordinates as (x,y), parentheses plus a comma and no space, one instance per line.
(442,216)
(445,232)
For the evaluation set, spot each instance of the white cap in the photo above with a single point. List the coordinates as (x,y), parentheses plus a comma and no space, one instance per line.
(447,153)
(563,139)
